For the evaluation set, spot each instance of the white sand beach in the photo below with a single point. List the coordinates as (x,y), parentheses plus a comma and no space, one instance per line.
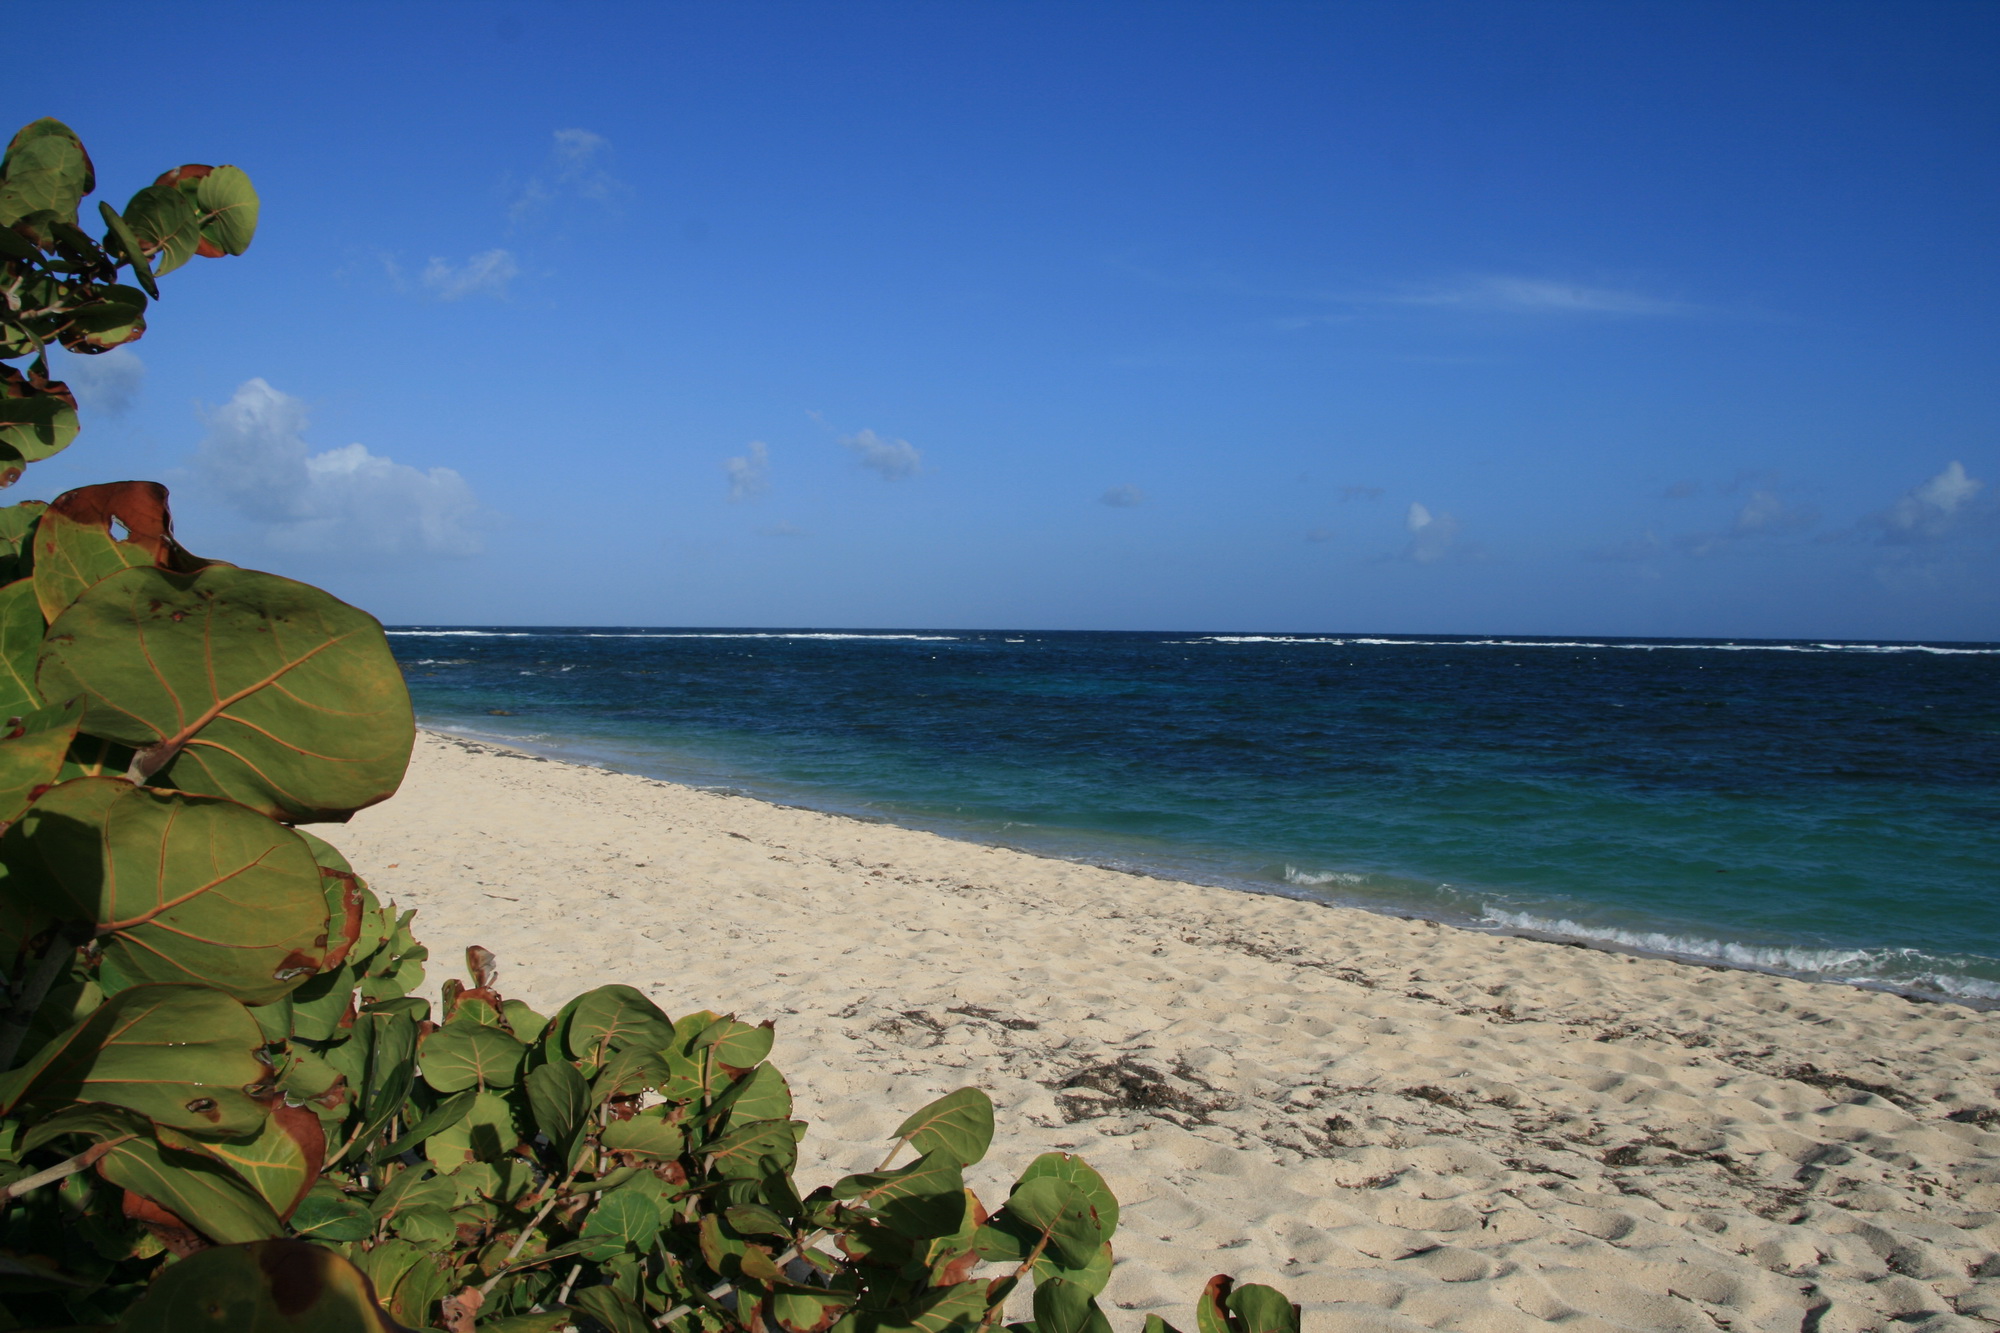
(1402,1125)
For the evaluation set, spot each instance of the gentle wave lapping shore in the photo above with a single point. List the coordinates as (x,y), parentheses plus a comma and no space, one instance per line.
(1404,1125)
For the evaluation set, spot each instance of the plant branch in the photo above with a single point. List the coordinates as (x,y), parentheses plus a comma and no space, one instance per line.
(81,1162)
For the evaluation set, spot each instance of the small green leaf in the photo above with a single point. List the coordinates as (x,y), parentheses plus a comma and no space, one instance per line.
(32,749)
(959,1123)
(488,1131)
(414,1187)
(426,1226)
(754,1150)
(1262,1309)
(1069,1167)
(648,1134)
(1057,1207)
(167,223)
(936,1310)
(21,627)
(125,246)
(45,170)
(612,1018)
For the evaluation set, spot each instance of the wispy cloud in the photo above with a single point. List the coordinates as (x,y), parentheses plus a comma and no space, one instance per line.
(1762,517)
(108,382)
(577,168)
(1537,296)
(893,459)
(1932,511)
(1432,536)
(256,460)
(750,474)
(1360,493)
(1123,497)
(484,274)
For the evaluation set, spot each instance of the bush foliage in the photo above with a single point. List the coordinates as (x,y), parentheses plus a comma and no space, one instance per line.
(223,1106)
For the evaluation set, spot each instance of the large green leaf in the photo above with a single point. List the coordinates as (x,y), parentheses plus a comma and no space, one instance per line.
(560,1100)
(470,1055)
(76,543)
(922,1200)
(180,1055)
(624,1218)
(611,1308)
(274,1286)
(238,684)
(167,222)
(489,1130)
(21,626)
(45,170)
(17,531)
(32,748)
(37,417)
(1073,1169)
(327,1214)
(734,1045)
(935,1310)
(177,888)
(1057,1207)
(229,206)
(281,1162)
(755,1150)
(958,1123)
(1064,1307)
(198,1190)
(116,317)
(613,1018)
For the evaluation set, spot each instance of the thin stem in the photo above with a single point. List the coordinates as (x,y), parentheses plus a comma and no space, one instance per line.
(82,1161)
(30,1000)
(569,1282)
(521,1241)
(993,1310)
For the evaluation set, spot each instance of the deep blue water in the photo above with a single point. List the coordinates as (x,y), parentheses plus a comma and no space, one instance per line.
(1831,810)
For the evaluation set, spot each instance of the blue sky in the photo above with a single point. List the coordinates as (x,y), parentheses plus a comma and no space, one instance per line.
(1471,317)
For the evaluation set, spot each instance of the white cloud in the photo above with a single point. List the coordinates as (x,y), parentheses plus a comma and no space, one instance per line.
(1539,296)
(108,382)
(750,475)
(1431,535)
(574,169)
(255,458)
(1123,497)
(1765,515)
(892,458)
(1932,510)
(487,272)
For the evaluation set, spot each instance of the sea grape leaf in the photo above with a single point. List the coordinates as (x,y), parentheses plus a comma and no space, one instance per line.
(37,416)
(17,531)
(195,1188)
(560,1101)
(392,1067)
(1155,1324)
(1064,1307)
(611,1308)
(648,1133)
(1257,1308)
(117,317)
(239,684)
(32,750)
(75,546)
(488,1131)
(281,1162)
(21,628)
(807,1309)
(624,1218)
(167,223)
(755,1150)
(229,206)
(921,1200)
(415,1187)
(1092,1276)
(762,1094)
(327,1214)
(936,1310)
(1056,1206)
(466,1055)
(180,1055)
(439,1118)
(93,1120)
(45,170)
(273,1286)
(1069,1167)
(120,242)
(735,1046)
(613,1017)
(959,1123)
(177,888)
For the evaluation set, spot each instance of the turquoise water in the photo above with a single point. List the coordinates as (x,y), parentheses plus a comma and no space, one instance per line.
(1829,810)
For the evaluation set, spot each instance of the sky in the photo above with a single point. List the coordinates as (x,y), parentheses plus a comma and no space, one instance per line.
(1477,317)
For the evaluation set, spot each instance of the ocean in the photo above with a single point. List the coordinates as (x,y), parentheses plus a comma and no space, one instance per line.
(1826,810)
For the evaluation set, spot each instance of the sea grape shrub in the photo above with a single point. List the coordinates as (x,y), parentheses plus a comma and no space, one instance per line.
(221,1107)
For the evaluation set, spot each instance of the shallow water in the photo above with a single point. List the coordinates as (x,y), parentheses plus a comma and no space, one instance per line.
(1828,809)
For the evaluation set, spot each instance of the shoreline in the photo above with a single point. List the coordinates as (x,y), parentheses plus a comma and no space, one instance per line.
(1238,884)
(1402,1126)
